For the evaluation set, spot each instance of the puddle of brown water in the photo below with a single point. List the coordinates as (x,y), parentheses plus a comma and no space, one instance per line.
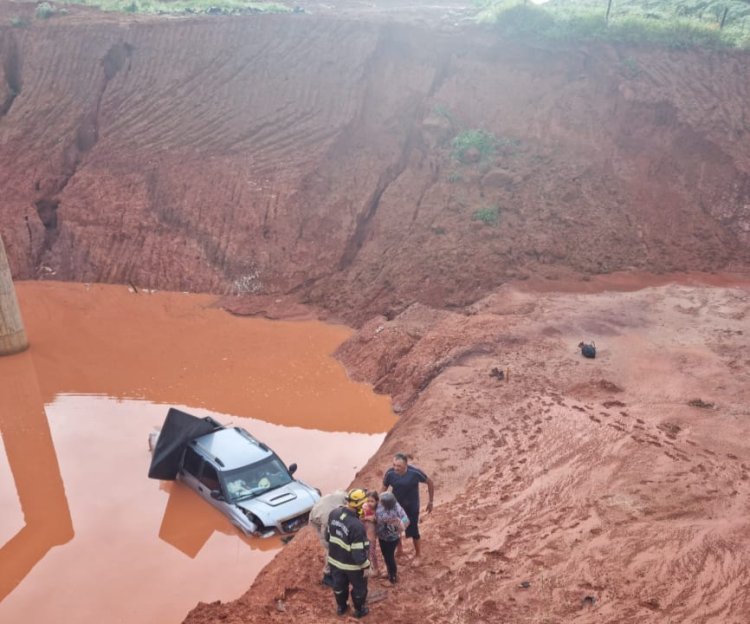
(85,536)
(175,348)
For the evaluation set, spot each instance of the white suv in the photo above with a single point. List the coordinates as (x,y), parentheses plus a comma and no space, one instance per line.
(234,472)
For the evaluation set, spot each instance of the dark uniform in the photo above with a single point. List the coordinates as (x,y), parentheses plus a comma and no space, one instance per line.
(348,548)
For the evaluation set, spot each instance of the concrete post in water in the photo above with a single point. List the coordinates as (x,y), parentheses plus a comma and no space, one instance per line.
(12,334)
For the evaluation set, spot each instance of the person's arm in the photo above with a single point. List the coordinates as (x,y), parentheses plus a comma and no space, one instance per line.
(360,546)
(387,480)
(430,493)
(403,518)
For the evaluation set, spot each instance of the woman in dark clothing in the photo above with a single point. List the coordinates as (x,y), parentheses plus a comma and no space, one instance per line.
(390,523)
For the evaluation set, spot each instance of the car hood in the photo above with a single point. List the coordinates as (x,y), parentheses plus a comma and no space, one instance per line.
(281,503)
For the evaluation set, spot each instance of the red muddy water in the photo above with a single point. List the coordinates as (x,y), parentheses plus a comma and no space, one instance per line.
(80,518)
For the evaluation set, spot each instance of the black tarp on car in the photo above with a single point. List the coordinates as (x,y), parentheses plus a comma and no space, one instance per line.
(178,429)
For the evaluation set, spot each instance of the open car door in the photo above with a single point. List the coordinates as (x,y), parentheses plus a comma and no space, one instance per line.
(179,428)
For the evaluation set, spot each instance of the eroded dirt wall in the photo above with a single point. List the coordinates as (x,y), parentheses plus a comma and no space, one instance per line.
(278,154)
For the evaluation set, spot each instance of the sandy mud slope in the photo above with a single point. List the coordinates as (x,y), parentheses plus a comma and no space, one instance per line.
(595,482)
(309,154)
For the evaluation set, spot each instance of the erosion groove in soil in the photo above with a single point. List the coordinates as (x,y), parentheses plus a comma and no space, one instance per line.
(300,162)
(310,155)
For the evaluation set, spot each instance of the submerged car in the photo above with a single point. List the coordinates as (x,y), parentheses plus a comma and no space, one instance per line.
(234,472)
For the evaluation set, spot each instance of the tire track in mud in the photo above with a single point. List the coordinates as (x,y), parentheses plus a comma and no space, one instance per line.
(573,494)
(215,112)
(564,507)
(201,107)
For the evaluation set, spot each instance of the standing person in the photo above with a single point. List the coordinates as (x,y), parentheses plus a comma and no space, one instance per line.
(347,554)
(368,519)
(404,481)
(390,522)
(319,514)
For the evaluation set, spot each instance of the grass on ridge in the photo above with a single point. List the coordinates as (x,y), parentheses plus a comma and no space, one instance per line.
(187,7)
(668,23)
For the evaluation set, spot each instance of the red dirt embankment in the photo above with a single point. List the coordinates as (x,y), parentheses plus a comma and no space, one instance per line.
(308,159)
(310,155)
(594,483)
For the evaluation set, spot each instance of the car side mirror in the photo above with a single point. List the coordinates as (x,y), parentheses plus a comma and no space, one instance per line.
(216,495)
(292,469)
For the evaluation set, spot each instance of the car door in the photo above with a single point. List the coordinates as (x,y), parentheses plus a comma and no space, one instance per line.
(203,478)
(199,474)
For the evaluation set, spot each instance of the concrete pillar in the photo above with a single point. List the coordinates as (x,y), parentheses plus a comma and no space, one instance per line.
(12,334)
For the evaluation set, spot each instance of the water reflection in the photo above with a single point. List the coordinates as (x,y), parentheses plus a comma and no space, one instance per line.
(85,536)
(137,536)
(31,457)
(187,525)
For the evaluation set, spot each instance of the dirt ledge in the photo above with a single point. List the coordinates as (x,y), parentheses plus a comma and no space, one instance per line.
(577,491)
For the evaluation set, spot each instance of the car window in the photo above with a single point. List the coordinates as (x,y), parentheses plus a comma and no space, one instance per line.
(192,463)
(208,477)
(253,480)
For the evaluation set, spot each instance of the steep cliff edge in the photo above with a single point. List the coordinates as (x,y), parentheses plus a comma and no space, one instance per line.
(312,156)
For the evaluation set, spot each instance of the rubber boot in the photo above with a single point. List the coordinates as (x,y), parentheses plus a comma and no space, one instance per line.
(360,613)
(360,608)
(341,602)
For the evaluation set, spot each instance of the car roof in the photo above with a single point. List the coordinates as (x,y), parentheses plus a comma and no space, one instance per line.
(232,448)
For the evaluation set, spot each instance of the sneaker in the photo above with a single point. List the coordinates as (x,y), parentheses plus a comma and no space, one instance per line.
(360,613)
(392,578)
(341,610)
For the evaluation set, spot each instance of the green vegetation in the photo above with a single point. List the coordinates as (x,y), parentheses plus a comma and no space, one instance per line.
(187,7)
(19,22)
(670,23)
(489,215)
(442,111)
(484,143)
(44,10)
(455,176)
(474,145)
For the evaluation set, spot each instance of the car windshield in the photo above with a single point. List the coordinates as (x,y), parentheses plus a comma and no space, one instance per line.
(253,480)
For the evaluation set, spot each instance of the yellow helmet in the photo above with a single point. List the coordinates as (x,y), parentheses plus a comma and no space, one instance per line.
(356,498)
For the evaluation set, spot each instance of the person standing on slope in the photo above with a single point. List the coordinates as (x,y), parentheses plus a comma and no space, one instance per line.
(404,479)
(348,548)
(319,515)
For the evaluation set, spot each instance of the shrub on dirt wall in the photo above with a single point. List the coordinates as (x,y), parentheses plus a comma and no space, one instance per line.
(479,141)
(488,215)
(44,10)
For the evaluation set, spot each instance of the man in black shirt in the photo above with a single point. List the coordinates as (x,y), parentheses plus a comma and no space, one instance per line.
(404,480)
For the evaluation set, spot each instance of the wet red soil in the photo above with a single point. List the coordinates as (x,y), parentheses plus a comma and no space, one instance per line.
(140,150)
(75,414)
(577,491)
(165,165)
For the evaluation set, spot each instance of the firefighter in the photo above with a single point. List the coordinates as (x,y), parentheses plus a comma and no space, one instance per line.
(319,520)
(347,553)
